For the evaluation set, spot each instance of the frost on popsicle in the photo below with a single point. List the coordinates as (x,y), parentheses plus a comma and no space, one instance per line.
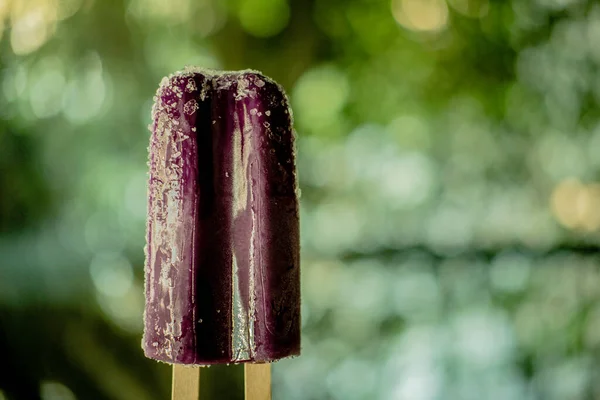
(222,255)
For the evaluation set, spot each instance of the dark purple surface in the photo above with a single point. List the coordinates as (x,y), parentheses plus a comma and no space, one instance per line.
(222,255)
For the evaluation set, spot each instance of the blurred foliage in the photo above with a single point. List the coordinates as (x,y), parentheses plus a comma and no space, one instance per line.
(448,158)
(26,196)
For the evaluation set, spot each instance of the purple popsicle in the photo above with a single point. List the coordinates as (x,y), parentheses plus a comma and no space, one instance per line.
(222,255)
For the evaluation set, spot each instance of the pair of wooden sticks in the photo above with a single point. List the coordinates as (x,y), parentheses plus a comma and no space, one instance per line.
(257,382)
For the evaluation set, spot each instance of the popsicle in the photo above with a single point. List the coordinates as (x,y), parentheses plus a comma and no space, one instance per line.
(222,272)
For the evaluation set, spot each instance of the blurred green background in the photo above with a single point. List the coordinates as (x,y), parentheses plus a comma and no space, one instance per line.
(449,160)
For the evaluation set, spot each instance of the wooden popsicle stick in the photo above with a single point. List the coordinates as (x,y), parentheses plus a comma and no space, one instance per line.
(257,381)
(186,383)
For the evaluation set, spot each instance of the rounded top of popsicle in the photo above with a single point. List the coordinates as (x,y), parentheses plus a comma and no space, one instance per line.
(247,82)
(184,97)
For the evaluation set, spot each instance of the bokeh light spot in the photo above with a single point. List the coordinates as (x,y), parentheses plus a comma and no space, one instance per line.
(264,18)
(51,390)
(416,294)
(483,337)
(125,311)
(33,22)
(509,272)
(421,15)
(575,205)
(319,95)
(412,371)
(450,228)
(319,278)
(337,225)
(85,94)
(21,79)
(14,84)
(210,19)
(407,180)
(560,156)
(112,274)
(45,95)
(4,9)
